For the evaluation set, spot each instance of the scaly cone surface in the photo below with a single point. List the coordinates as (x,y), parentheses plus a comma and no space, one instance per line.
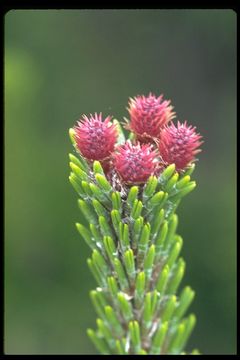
(148,114)
(135,248)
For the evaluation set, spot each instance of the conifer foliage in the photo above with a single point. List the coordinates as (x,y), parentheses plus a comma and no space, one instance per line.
(129,189)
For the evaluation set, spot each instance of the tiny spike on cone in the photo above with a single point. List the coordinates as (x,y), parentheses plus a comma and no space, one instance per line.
(135,163)
(148,114)
(179,144)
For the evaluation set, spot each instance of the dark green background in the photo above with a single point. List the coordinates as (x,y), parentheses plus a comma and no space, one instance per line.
(60,64)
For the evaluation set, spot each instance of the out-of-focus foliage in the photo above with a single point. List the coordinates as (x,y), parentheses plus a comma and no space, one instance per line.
(61,64)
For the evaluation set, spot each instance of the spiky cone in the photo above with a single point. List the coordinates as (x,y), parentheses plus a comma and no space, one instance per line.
(134,163)
(95,138)
(179,144)
(148,115)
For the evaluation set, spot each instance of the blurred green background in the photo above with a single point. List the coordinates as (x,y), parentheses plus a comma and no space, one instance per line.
(60,64)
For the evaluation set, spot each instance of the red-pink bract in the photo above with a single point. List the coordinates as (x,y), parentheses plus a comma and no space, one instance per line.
(148,114)
(179,144)
(95,138)
(135,163)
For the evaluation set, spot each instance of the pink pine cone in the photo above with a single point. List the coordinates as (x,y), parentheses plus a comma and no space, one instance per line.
(179,144)
(135,163)
(148,115)
(95,138)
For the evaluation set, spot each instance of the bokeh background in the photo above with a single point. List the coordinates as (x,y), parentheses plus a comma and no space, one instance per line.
(60,64)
